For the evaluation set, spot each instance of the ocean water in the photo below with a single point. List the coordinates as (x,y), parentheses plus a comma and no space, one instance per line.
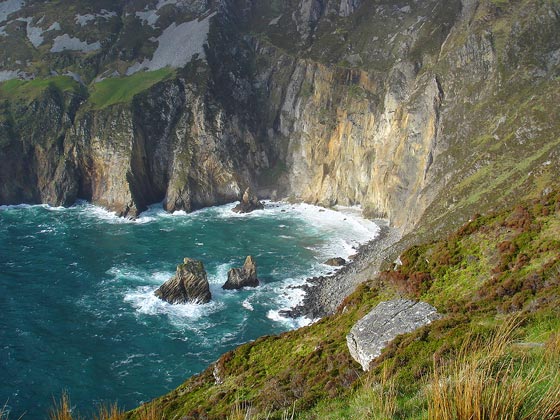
(77,310)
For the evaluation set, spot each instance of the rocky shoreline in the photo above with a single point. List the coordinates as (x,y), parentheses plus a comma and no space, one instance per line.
(324,294)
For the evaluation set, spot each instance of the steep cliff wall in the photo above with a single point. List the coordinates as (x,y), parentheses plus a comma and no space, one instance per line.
(444,115)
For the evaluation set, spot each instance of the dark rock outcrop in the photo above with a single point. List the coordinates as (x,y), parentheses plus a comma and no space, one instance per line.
(372,333)
(188,285)
(336,262)
(242,277)
(249,202)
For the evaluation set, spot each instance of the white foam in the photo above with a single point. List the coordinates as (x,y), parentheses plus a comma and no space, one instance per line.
(90,210)
(6,207)
(146,303)
(247,305)
(344,227)
(219,276)
(292,323)
(129,273)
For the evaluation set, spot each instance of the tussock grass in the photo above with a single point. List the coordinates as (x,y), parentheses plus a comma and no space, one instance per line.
(150,412)
(62,410)
(377,400)
(488,381)
(109,412)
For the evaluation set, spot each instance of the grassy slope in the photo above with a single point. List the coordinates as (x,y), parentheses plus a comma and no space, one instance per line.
(122,89)
(15,90)
(495,266)
(103,94)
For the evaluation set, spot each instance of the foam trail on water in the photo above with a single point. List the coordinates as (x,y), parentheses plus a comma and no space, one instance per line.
(146,303)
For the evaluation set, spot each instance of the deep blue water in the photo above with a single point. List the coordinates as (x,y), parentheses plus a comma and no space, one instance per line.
(77,310)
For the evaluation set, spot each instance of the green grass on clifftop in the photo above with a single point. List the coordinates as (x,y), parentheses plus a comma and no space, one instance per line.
(29,90)
(122,89)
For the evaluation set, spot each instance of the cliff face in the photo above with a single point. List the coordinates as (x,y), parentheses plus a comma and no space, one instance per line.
(442,119)
(408,109)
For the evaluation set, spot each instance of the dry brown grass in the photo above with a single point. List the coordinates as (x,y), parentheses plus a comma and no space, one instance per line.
(487,382)
(109,412)
(62,410)
(377,400)
(150,412)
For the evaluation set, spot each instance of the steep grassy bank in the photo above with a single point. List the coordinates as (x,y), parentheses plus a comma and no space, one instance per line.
(496,268)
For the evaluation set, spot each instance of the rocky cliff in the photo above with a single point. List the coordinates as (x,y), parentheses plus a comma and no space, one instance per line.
(417,111)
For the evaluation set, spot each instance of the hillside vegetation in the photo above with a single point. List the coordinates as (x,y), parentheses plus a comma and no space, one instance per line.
(496,281)
(493,355)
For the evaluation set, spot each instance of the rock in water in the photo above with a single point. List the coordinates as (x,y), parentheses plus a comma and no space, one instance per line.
(372,333)
(249,202)
(188,285)
(336,262)
(242,277)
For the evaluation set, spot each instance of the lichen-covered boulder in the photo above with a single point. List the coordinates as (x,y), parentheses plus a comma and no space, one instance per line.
(243,277)
(188,285)
(371,334)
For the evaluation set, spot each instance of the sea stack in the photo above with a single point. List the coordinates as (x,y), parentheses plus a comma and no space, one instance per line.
(249,202)
(242,277)
(188,285)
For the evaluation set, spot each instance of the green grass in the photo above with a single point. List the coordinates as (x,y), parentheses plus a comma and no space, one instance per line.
(122,89)
(29,90)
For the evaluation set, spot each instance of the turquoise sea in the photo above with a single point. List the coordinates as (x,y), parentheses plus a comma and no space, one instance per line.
(77,310)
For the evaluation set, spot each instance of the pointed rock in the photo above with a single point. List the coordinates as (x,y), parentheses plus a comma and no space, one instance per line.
(249,202)
(188,285)
(242,277)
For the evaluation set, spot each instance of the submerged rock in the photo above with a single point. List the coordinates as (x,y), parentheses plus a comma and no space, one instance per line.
(188,285)
(336,262)
(372,333)
(242,277)
(249,202)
